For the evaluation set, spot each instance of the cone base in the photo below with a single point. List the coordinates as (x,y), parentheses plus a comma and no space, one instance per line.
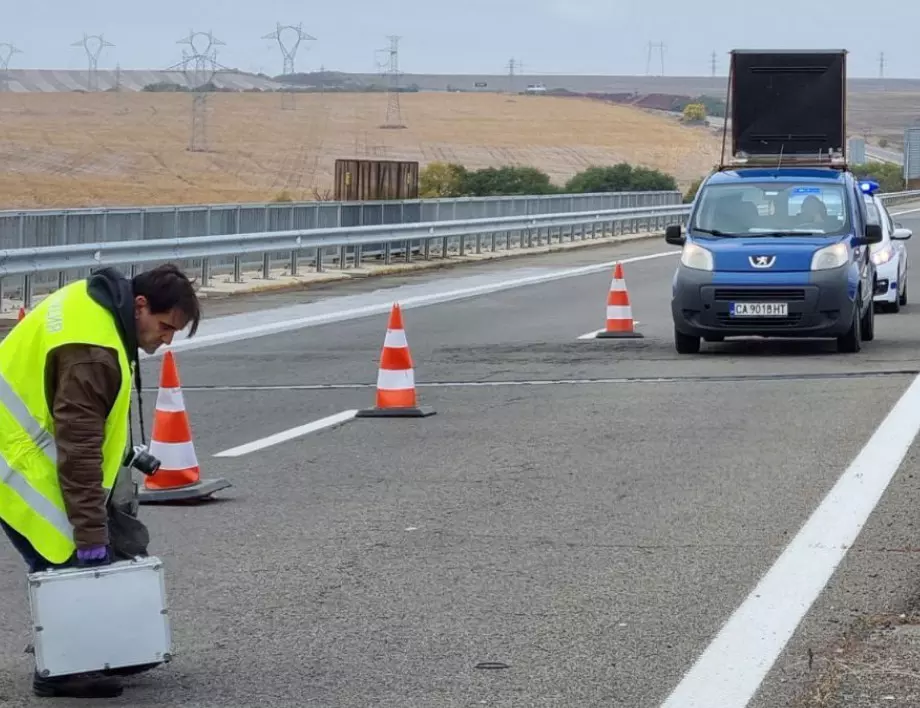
(192,492)
(414,412)
(604,334)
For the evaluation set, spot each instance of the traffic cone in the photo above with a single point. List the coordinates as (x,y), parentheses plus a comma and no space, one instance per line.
(179,476)
(620,324)
(396,378)
(22,314)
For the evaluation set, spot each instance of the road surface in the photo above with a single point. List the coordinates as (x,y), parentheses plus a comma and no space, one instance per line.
(595,516)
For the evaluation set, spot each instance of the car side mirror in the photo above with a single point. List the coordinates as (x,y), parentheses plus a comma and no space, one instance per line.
(674,235)
(901,234)
(873,234)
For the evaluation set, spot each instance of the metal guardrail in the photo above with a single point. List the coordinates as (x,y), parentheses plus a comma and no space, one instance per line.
(900,197)
(344,245)
(59,227)
(347,243)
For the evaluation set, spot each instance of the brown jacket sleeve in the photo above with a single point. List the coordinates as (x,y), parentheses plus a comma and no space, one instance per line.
(82,385)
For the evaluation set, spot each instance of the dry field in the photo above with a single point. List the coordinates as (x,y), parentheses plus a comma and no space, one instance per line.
(77,150)
(883,114)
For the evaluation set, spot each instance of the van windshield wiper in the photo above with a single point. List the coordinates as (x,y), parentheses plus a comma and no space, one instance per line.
(781,234)
(714,232)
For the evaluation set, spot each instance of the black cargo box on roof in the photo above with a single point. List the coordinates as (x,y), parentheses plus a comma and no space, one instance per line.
(788,102)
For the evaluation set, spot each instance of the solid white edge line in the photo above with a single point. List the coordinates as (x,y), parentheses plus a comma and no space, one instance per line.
(909,211)
(210,340)
(290,434)
(729,672)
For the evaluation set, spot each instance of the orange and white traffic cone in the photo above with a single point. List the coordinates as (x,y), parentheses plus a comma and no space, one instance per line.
(620,323)
(179,475)
(396,397)
(22,314)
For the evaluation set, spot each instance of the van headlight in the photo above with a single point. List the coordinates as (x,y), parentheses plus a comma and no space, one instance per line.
(696,257)
(830,257)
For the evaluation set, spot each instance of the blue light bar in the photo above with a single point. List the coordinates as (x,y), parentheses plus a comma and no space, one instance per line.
(869,187)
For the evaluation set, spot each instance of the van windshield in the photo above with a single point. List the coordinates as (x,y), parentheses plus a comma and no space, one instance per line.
(765,208)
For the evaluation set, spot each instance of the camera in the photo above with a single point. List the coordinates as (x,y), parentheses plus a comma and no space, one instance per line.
(142,461)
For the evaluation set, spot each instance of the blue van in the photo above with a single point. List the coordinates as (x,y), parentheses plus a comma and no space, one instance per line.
(777,241)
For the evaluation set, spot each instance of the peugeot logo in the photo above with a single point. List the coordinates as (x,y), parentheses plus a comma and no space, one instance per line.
(762,261)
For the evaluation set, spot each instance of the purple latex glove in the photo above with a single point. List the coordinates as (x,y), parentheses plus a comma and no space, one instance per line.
(93,554)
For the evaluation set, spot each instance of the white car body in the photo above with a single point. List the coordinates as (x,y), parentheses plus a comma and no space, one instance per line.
(889,256)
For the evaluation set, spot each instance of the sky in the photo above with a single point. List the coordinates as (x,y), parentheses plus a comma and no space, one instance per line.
(471,36)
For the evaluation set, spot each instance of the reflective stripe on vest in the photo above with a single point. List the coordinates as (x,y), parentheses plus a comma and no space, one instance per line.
(31,499)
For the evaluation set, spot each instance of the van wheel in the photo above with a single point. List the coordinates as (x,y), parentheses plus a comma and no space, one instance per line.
(851,342)
(867,326)
(686,344)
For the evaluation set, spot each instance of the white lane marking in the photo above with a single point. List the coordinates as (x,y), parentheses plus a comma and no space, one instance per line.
(593,335)
(909,211)
(238,335)
(730,671)
(290,434)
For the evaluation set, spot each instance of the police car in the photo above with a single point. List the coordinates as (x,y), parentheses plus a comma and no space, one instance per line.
(777,242)
(890,256)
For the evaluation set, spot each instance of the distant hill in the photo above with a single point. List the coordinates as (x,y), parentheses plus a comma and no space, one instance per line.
(58,80)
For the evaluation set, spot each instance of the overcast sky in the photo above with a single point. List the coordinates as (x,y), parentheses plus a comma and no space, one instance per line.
(468,36)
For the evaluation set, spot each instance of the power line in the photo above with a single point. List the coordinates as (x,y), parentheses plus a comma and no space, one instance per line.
(512,66)
(7,51)
(394,117)
(199,68)
(660,46)
(289,51)
(93,44)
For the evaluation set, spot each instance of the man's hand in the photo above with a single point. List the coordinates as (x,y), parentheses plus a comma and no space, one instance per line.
(93,555)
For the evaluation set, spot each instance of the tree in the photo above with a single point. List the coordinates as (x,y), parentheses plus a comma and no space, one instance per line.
(694,113)
(441,179)
(621,177)
(495,181)
(692,190)
(890,177)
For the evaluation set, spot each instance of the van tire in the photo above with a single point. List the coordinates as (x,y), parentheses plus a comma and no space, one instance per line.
(686,344)
(867,326)
(851,342)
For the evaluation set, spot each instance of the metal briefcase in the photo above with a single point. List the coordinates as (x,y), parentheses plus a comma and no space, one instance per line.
(90,619)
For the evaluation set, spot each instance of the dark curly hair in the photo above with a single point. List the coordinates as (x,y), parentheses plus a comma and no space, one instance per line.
(167,287)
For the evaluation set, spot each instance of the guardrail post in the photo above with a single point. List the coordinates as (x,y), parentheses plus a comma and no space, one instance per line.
(444,253)
(205,272)
(237,269)
(319,260)
(492,236)
(266,266)
(426,248)
(27,291)
(343,257)
(358,254)
(408,250)
(293,262)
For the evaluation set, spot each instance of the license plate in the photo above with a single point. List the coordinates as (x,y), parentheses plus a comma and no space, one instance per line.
(760,309)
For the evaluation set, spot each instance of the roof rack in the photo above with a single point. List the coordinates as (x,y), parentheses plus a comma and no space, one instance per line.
(835,160)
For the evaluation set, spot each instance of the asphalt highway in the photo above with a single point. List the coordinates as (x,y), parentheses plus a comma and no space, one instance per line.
(589,517)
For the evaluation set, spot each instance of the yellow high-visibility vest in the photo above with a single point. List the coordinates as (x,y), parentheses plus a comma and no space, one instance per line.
(30,493)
